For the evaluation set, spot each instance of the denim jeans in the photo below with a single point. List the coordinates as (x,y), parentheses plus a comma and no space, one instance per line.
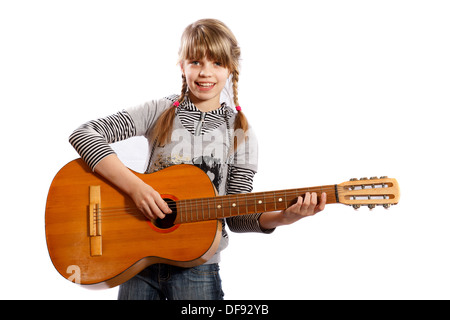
(162,281)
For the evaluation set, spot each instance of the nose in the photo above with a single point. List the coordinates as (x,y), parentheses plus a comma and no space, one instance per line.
(207,69)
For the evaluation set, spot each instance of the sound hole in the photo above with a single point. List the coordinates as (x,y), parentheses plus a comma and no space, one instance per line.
(169,219)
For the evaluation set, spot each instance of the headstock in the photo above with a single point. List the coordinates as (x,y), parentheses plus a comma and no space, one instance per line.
(371,192)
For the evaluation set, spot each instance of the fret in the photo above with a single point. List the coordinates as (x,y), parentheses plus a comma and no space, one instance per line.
(226,207)
(275,201)
(285,200)
(246,204)
(261,202)
(187,211)
(182,205)
(209,211)
(203,213)
(216,207)
(191,212)
(179,211)
(188,207)
(234,205)
(220,207)
(265,202)
(237,205)
(184,210)
(183,213)
(237,202)
(278,197)
(193,209)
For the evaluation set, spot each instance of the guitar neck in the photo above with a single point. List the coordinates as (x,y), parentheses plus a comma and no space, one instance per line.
(202,209)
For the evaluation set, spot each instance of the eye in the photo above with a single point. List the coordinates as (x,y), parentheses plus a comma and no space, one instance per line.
(195,62)
(219,64)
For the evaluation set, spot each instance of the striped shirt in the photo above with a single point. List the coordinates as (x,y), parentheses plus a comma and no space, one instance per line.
(92,139)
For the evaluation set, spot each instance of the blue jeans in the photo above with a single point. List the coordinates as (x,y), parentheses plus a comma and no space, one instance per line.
(162,281)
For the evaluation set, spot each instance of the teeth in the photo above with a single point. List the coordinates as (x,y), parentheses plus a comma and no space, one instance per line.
(205,84)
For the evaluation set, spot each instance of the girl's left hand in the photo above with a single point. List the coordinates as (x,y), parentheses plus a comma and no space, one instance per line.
(305,207)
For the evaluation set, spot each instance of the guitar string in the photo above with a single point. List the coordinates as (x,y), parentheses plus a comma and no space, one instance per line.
(226,203)
(189,215)
(247,197)
(226,199)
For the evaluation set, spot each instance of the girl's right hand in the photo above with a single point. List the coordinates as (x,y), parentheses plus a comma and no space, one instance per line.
(149,201)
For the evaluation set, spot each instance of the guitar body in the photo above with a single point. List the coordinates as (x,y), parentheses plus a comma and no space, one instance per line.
(127,243)
(97,237)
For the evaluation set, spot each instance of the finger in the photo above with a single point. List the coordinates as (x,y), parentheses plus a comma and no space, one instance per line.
(299,203)
(323,201)
(162,205)
(295,208)
(306,201)
(159,201)
(156,211)
(150,209)
(314,199)
(145,209)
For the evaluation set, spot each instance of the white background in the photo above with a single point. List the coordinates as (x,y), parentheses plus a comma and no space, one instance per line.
(334,90)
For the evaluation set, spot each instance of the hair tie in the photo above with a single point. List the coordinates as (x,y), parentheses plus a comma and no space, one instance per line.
(176,104)
(238,108)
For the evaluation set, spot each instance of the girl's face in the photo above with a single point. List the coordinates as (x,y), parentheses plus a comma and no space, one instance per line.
(205,79)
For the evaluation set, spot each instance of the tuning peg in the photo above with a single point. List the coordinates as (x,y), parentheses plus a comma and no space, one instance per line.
(353,187)
(373,178)
(386,205)
(356,206)
(383,177)
(371,206)
(363,186)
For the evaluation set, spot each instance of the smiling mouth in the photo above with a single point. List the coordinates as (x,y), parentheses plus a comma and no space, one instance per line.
(206,85)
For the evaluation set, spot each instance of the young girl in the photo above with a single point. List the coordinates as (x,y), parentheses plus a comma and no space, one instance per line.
(195,128)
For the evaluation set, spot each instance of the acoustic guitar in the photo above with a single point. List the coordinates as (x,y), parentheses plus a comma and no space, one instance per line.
(97,237)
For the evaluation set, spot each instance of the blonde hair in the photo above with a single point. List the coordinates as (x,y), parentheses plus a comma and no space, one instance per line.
(209,38)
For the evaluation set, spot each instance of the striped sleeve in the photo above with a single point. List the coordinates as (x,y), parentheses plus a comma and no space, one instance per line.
(240,180)
(91,140)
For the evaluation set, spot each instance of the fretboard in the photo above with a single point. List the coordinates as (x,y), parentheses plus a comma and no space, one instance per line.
(220,207)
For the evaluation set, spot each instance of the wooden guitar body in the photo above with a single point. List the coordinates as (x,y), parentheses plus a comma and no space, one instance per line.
(97,237)
(128,241)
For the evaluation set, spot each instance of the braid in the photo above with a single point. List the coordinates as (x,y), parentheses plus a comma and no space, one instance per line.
(163,127)
(184,90)
(235,80)
(240,123)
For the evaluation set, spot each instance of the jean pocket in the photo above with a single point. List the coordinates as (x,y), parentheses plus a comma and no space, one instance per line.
(206,269)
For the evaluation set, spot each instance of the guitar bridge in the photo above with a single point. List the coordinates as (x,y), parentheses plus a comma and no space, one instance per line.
(95,222)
